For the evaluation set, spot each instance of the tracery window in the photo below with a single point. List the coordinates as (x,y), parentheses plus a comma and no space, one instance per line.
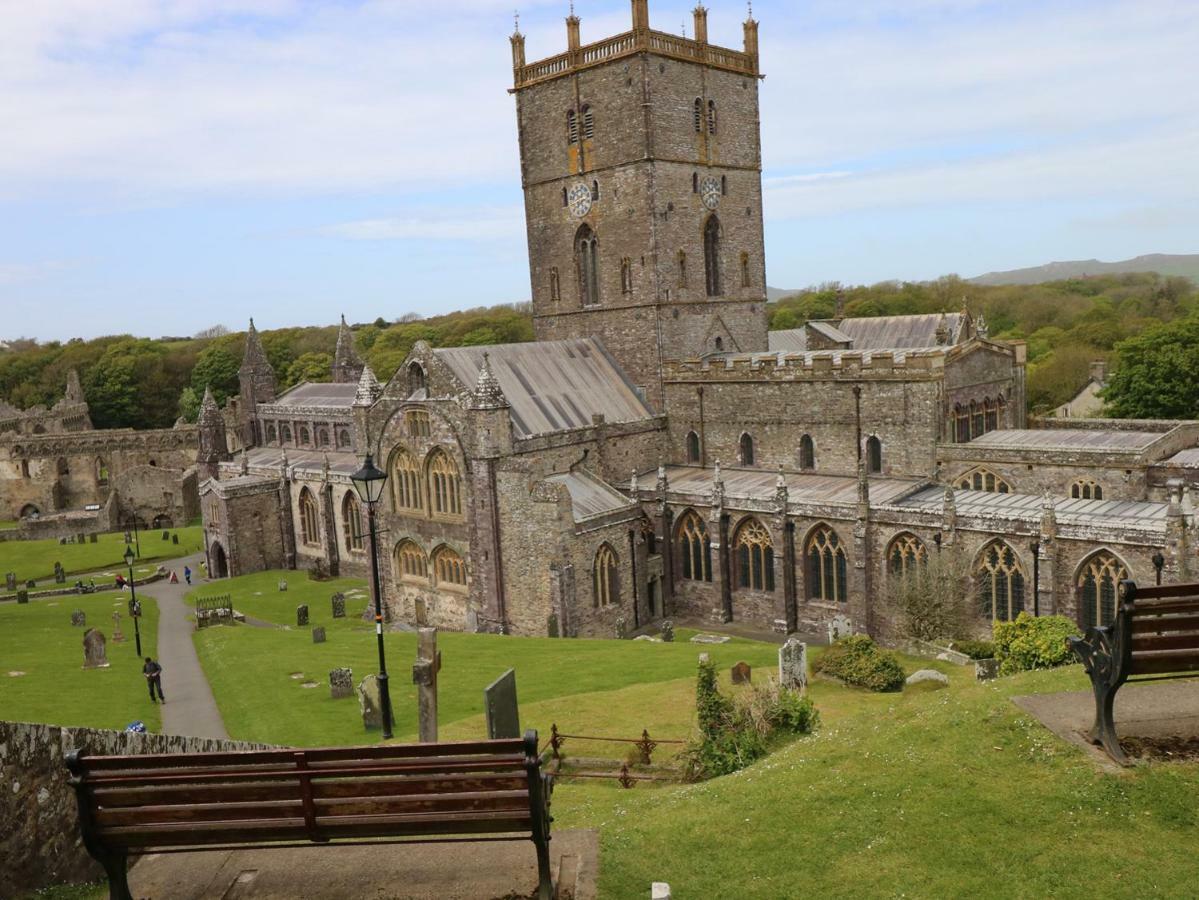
(411,561)
(977,420)
(417,422)
(445,484)
(961,417)
(905,553)
(271,434)
(1098,584)
(827,575)
(695,548)
(1000,580)
(1086,489)
(309,521)
(746,450)
(343,438)
(405,481)
(693,447)
(807,452)
(984,480)
(604,577)
(448,567)
(417,380)
(305,437)
(755,556)
(712,255)
(351,517)
(587,265)
(874,455)
(991,418)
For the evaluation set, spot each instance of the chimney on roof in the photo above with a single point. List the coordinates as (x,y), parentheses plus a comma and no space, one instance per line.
(641,15)
(701,23)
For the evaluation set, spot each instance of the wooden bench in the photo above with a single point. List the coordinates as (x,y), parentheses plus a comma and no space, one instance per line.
(1156,634)
(415,793)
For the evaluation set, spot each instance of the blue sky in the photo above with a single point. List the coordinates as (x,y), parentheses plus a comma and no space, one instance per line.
(168,165)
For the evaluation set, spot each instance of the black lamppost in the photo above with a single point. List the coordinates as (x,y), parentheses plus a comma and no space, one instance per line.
(1035,547)
(369,482)
(1159,563)
(136,537)
(135,608)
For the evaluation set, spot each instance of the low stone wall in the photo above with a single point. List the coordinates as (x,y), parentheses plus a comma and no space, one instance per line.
(39,823)
(72,591)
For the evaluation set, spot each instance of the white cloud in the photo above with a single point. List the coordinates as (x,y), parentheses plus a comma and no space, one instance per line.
(482,225)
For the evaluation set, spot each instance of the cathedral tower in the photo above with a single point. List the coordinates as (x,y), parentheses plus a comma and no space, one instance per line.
(641,167)
(214,446)
(256,378)
(347,365)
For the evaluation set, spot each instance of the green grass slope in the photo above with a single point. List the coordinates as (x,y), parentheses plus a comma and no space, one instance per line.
(35,559)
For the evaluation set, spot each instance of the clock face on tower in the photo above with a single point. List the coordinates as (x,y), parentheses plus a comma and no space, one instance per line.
(579,200)
(709,191)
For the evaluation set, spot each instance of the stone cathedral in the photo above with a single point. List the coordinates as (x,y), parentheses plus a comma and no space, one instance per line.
(656,453)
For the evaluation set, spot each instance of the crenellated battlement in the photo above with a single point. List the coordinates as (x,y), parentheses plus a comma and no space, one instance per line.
(783,366)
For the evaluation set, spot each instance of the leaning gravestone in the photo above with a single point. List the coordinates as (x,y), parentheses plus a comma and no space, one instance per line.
(793,664)
(500,707)
(78,618)
(742,673)
(839,627)
(22,596)
(10,581)
(318,635)
(301,616)
(95,656)
(341,683)
(339,605)
(370,703)
(668,631)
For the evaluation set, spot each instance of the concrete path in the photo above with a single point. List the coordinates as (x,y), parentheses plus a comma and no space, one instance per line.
(190,707)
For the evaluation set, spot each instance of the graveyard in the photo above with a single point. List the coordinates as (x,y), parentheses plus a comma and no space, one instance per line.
(34,560)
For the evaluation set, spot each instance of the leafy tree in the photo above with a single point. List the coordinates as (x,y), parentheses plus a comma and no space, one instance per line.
(1157,375)
(310,367)
(189,404)
(216,368)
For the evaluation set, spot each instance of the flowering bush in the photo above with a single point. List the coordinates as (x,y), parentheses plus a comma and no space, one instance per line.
(1033,642)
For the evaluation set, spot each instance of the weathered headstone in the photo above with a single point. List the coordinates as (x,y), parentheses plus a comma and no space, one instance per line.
(81,537)
(339,605)
(302,615)
(622,628)
(128,537)
(986,669)
(668,631)
(166,535)
(659,890)
(928,676)
(10,581)
(282,585)
(60,575)
(62,542)
(424,676)
(79,618)
(117,635)
(22,596)
(95,655)
(318,635)
(839,627)
(500,707)
(370,703)
(793,664)
(341,683)
(31,584)
(94,538)
(742,673)
(551,626)
(174,539)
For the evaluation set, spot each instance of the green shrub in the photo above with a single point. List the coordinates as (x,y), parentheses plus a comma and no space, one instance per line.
(858,660)
(975,649)
(1033,642)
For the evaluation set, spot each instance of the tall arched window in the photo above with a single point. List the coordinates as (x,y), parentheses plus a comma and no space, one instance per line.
(445,485)
(595,192)
(983,479)
(745,280)
(755,556)
(604,578)
(991,415)
(417,380)
(695,549)
(405,481)
(322,437)
(827,572)
(1098,583)
(699,115)
(626,276)
(351,517)
(305,436)
(1086,489)
(343,438)
(271,434)
(448,567)
(410,561)
(712,255)
(695,182)
(1000,580)
(711,117)
(692,447)
(588,123)
(572,126)
(905,553)
(682,269)
(874,455)
(746,450)
(101,473)
(555,284)
(309,521)
(977,420)
(961,418)
(587,265)
(62,467)
(807,452)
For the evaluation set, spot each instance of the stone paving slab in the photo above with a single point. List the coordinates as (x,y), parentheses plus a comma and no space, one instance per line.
(469,871)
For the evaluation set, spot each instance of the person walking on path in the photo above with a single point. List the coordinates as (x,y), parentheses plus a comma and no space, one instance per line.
(153,673)
(187,574)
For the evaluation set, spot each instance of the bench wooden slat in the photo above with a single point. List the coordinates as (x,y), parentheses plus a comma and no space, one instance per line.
(1155,592)
(1162,661)
(1155,624)
(512,762)
(1164,607)
(1183,641)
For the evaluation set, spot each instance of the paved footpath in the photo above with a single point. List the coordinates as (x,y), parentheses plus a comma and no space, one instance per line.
(190,707)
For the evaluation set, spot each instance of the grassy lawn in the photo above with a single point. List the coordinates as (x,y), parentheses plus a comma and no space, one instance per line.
(35,559)
(38,639)
(259,597)
(8,525)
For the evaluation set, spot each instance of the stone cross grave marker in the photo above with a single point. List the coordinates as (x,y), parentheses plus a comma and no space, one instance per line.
(839,627)
(10,581)
(22,596)
(302,615)
(668,631)
(371,703)
(341,683)
(339,605)
(742,673)
(793,664)
(117,635)
(500,708)
(424,676)
(95,656)
(318,635)
(79,618)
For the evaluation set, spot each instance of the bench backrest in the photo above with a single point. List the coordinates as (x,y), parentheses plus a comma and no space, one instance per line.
(409,790)
(1158,628)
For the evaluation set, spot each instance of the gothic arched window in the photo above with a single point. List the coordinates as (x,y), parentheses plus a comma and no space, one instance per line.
(977,420)
(410,561)
(1000,580)
(448,567)
(555,284)
(405,481)
(755,556)
(905,552)
(699,115)
(604,577)
(271,434)
(1086,489)
(626,276)
(990,415)
(351,517)
(692,447)
(712,255)
(445,485)
(983,479)
(807,452)
(587,265)
(572,126)
(711,117)
(343,438)
(745,280)
(827,572)
(874,455)
(305,436)
(309,521)
(746,450)
(322,437)
(1098,583)
(682,269)
(588,123)
(417,380)
(102,473)
(695,549)
(285,434)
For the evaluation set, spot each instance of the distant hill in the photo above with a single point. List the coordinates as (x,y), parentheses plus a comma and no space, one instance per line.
(774,294)
(1186,265)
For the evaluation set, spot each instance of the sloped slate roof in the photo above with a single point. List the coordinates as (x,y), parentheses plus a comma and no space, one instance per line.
(1029,506)
(553,385)
(326,394)
(308,461)
(589,496)
(1066,439)
(831,332)
(877,332)
(1187,459)
(760,484)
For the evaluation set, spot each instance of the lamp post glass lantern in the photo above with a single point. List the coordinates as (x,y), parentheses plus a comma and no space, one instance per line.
(135,610)
(369,482)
